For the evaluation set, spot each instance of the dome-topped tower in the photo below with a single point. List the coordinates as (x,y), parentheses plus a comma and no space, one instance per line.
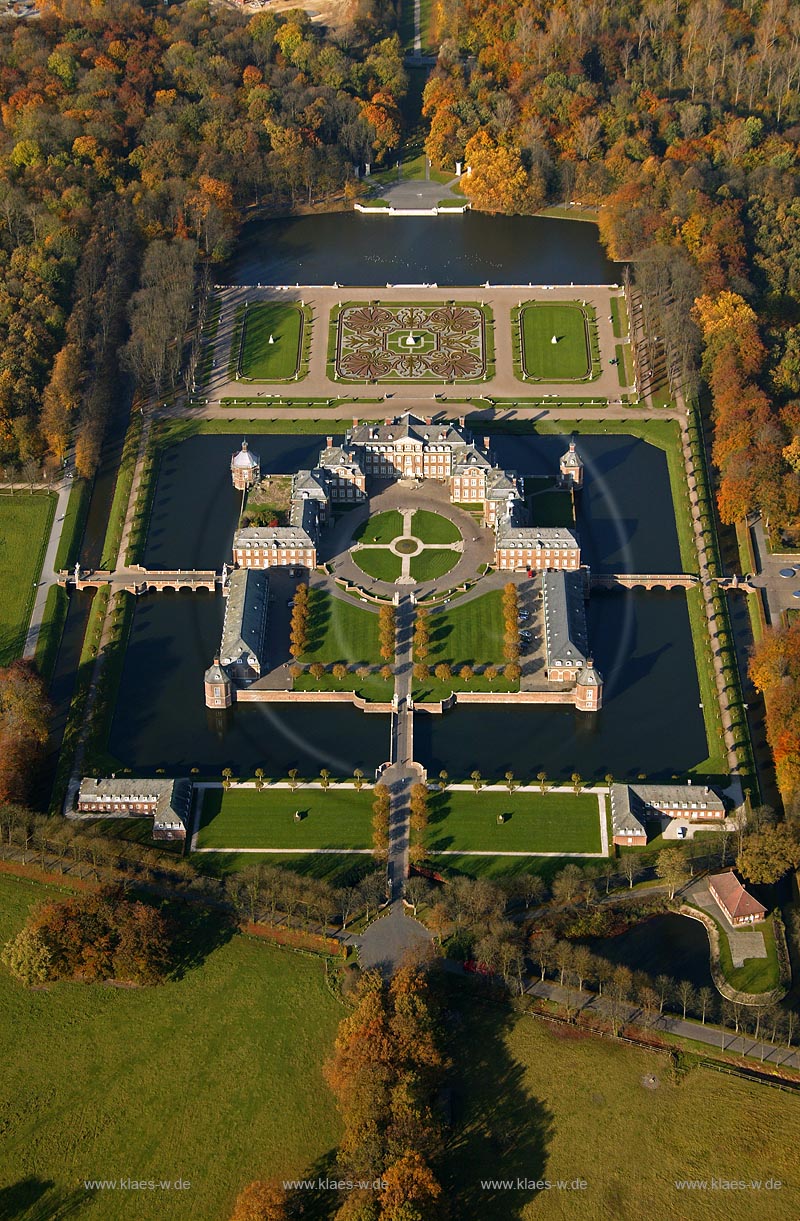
(571,468)
(245,468)
(589,688)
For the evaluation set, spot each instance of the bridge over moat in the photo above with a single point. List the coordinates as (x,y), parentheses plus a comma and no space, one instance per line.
(646,580)
(137,580)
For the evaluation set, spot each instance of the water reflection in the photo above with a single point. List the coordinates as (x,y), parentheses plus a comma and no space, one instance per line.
(363,250)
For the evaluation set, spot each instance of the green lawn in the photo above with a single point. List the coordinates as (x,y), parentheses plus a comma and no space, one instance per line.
(542,1102)
(25,522)
(619,317)
(549,822)
(378,562)
(717,762)
(433,528)
(567,360)
(470,634)
(341,631)
(431,564)
(381,528)
(338,868)
(245,818)
(262,361)
(467,634)
(755,974)
(371,687)
(214,1077)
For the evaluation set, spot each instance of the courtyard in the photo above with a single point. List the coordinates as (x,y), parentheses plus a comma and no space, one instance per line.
(407,546)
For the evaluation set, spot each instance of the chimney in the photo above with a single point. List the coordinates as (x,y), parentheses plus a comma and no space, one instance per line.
(387,421)
(329,442)
(355,421)
(428,419)
(589,663)
(485,442)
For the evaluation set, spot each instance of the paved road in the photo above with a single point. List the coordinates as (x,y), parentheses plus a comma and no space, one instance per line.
(385,943)
(48,576)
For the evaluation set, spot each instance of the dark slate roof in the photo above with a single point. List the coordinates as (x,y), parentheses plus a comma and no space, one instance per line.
(245,616)
(407,427)
(564,618)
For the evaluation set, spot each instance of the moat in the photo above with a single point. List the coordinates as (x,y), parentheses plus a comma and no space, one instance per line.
(642,641)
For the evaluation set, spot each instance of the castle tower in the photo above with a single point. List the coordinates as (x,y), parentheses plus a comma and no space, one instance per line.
(218,687)
(589,688)
(245,468)
(571,468)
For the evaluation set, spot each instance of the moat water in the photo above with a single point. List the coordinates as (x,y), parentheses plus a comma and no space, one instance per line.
(651,721)
(625,514)
(350,248)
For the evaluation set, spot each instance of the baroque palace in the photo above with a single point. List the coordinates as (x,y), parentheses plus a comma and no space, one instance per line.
(413,449)
(407,448)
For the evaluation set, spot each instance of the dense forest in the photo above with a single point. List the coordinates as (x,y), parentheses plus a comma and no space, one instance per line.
(680,122)
(133,142)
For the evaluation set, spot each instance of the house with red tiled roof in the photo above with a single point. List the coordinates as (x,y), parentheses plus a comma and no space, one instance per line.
(739,906)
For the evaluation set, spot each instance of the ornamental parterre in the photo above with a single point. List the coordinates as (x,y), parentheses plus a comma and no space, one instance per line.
(398,342)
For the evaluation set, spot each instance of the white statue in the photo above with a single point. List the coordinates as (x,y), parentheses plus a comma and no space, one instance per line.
(77,573)
(224,573)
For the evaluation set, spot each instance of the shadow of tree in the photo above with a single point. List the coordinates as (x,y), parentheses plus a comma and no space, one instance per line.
(500,1130)
(34,1199)
(198,932)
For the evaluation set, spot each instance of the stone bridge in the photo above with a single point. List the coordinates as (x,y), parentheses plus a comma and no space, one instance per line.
(137,580)
(648,580)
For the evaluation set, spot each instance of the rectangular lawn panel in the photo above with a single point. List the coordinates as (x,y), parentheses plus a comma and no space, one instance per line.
(535,822)
(25,522)
(247,818)
(341,631)
(260,360)
(470,634)
(105,1085)
(433,528)
(567,360)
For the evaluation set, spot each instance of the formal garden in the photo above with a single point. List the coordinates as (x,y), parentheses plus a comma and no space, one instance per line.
(381,342)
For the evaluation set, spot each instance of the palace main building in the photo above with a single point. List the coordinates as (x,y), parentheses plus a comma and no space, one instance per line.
(407,448)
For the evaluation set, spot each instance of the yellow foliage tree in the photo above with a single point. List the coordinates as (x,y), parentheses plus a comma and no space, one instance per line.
(498,181)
